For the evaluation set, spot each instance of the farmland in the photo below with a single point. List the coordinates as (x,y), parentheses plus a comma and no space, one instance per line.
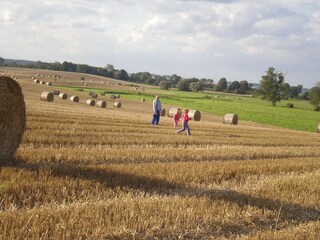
(90,173)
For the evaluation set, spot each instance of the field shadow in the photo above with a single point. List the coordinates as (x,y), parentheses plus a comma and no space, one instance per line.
(287,212)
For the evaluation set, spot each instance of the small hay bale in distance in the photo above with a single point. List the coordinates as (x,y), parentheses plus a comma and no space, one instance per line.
(63,96)
(143,99)
(94,95)
(163,112)
(91,102)
(36,81)
(47,96)
(102,94)
(230,118)
(318,129)
(117,104)
(49,83)
(290,105)
(102,104)
(74,99)
(42,82)
(12,118)
(56,92)
(118,96)
(113,97)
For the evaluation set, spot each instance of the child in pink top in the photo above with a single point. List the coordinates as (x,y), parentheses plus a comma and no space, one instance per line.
(176,117)
(185,120)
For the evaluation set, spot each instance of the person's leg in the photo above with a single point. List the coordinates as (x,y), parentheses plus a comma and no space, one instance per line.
(188,130)
(182,129)
(158,117)
(154,118)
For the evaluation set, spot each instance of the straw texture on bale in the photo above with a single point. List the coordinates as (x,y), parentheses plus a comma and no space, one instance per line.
(56,92)
(42,82)
(91,102)
(195,115)
(49,83)
(63,96)
(117,104)
(102,104)
(12,118)
(47,96)
(163,112)
(230,118)
(36,81)
(318,129)
(74,99)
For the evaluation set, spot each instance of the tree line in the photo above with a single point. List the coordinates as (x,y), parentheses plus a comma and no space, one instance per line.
(272,85)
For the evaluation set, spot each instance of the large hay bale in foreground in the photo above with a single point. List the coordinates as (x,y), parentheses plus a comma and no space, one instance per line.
(47,96)
(91,102)
(230,118)
(102,104)
(117,104)
(63,96)
(12,118)
(74,99)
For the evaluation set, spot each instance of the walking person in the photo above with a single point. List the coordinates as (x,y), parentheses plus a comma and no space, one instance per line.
(176,117)
(156,111)
(185,120)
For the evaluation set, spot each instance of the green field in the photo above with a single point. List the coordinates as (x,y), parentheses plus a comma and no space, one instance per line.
(301,117)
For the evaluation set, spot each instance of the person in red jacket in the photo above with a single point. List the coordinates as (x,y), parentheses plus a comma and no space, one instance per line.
(176,117)
(185,120)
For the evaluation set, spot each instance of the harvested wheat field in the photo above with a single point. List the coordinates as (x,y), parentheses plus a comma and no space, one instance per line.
(86,172)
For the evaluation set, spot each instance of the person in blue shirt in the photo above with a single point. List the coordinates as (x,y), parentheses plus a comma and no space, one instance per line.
(156,111)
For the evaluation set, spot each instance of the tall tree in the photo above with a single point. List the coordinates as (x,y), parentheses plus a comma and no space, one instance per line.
(222,85)
(314,97)
(272,86)
(2,60)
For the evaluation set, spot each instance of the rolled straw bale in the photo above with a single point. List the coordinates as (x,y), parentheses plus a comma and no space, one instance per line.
(94,95)
(91,102)
(172,111)
(143,99)
(117,104)
(42,82)
(49,83)
(74,99)
(195,115)
(36,81)
(230,118)
(318,129)
(118,96)
(163,112)
(113,97)
(102,94)
(102,104)
(63,96)
(47,96)
(12,118)
(56,92)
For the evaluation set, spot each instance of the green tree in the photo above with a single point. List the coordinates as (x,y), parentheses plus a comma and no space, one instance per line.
(272,86)
(1,61)
(222,85)
(314,97)
(295,91)
(234,87)
(196,86)
(183,85)
(164,85)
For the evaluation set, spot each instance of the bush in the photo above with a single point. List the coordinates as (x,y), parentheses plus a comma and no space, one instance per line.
(290,105)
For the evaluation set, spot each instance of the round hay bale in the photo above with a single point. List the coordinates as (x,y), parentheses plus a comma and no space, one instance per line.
(318,129)
(94,95)
(102,94)
(42,82)
(230,118)
(118,96)
(36,81)
(74,99)
(290,105)
(91,102)
(102,104)
(117,104)
(195,115)
(12,118)
(49,83)
(47,96)
(143,99)
(113,97)
(163,112)
(56,92)
(172,111)
(63,96)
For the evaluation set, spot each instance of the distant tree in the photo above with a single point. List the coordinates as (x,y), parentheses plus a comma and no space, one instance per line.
(314,97)
(222,85)
(272,86)
(183,85)
(234,87)
(2,60)
(110,67)
(164,85)
(196,86)
(285,93)
(121,75)
(295,91)
(244,87)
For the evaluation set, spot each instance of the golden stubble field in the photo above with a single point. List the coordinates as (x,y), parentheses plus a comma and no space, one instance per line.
(89,173)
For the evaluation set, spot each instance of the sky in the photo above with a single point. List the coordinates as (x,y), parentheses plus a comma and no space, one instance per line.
(235,39)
